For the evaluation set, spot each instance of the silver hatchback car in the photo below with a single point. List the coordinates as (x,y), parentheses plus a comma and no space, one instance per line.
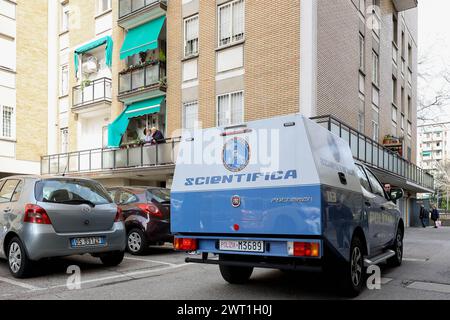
(56,217)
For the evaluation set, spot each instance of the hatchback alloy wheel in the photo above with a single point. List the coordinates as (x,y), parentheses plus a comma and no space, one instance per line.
(15,257)
(134,241)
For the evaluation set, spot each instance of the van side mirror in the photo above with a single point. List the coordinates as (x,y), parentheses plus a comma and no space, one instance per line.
(397,194)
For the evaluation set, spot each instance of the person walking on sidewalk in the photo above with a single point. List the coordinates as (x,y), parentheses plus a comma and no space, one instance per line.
(435,216)
(423,215)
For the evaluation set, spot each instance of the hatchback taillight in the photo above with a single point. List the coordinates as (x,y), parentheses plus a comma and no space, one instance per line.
(150,209)
(36,214)
(119,215)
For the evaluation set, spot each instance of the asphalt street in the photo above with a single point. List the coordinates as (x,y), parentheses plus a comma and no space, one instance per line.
(162,274)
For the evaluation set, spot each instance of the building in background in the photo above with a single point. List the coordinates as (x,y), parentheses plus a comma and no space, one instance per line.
(23,86)
(122,66)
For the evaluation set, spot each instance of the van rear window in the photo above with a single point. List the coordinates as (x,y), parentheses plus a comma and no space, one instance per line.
(72,192)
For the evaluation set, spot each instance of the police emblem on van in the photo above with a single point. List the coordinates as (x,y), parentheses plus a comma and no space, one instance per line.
(236,154)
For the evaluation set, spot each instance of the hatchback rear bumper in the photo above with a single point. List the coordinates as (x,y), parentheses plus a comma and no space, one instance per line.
(159,231)
(41,241)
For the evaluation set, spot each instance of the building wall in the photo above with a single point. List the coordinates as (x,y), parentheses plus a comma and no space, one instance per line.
(31,79)
(340,25)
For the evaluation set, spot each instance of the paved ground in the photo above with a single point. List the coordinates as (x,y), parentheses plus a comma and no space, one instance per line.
(162,274)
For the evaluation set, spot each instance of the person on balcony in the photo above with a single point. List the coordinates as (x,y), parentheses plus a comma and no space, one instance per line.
(153,136)
(157,136)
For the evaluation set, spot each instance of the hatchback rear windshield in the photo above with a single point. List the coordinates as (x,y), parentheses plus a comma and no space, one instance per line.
(73,192)
(160,195)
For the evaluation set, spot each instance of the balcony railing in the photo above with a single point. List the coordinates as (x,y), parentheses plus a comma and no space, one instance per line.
(142,77)
(372,153)
(127,7)
(98,160)
(96,91)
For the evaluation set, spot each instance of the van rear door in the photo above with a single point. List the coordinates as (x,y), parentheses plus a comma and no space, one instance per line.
(255,179)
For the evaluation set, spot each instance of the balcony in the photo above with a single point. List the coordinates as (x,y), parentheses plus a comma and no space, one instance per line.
(403,5)
(106,161)
(91,93)
(133,13)
(143,81)
(389,166)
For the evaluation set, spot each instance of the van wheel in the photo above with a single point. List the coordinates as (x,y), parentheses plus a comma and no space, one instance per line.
(18,262)
(396,260)
(353,272)
(112,259)
(235,275)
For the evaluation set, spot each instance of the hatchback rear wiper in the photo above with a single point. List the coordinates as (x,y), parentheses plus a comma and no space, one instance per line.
(79,201)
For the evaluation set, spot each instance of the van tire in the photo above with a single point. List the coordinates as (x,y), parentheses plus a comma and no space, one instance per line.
(397,247)
(353,273)
(18,259)
(235,275)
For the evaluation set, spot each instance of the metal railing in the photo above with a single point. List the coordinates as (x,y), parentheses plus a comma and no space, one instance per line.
(97,160)
(142,77)
(127,7)
(96,91)
(374,154)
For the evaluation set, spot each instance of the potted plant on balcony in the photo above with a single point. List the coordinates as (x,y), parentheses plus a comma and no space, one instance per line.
(85,83)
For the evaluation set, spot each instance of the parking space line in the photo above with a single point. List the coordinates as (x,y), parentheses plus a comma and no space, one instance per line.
(151,261)
(19,284)
(125,275)
(415,260)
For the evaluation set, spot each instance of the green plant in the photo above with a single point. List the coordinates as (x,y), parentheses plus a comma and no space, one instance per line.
(85,83)
(163,81)
(162,56)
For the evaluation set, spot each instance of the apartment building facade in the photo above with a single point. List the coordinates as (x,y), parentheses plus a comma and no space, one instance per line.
(23,86)
(127,65)
(434,146)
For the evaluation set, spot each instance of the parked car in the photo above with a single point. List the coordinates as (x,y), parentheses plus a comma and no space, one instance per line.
(55,217)
(146,211)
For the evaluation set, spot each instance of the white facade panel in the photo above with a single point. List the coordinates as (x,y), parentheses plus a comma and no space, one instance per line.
(229,59)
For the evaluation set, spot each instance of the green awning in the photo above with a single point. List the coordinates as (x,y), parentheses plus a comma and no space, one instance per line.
(95,44)
(142,38)
(118,128)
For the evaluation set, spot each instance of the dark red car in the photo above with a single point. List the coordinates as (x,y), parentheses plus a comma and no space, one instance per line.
(146,211)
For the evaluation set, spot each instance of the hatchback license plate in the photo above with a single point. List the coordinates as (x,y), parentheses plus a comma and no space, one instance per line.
(242,246)
(87,242)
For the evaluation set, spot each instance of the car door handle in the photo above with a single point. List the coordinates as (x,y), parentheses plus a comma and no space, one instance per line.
(368,204)
(7,210)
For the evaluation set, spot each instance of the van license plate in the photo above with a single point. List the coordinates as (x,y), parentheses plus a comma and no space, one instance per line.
(242,246)
(87,242)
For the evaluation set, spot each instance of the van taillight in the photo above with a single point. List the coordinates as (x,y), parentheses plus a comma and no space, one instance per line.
(304,249)
(119,215)
(185,244)
(150,209)
(36,214)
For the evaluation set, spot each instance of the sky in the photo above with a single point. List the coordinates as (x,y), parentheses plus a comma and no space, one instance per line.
(434,45)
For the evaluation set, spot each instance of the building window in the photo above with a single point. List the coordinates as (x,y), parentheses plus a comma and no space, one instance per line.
(410,108)
(362,84)
(361,113)
(362,58)
(394,115)
(64,85)
(362,7)
(375,96)
(394,90)
(410,55)
(190,115)
(409,129)
(103,6)
(191,36)
(65,15)
(395,29)
(402,99)
(64,140)
(231,22)
(375,68)
(7,122)
(403,122)
(230,109)
(375,124)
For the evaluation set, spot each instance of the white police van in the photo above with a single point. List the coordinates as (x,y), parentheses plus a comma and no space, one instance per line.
(282,193)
